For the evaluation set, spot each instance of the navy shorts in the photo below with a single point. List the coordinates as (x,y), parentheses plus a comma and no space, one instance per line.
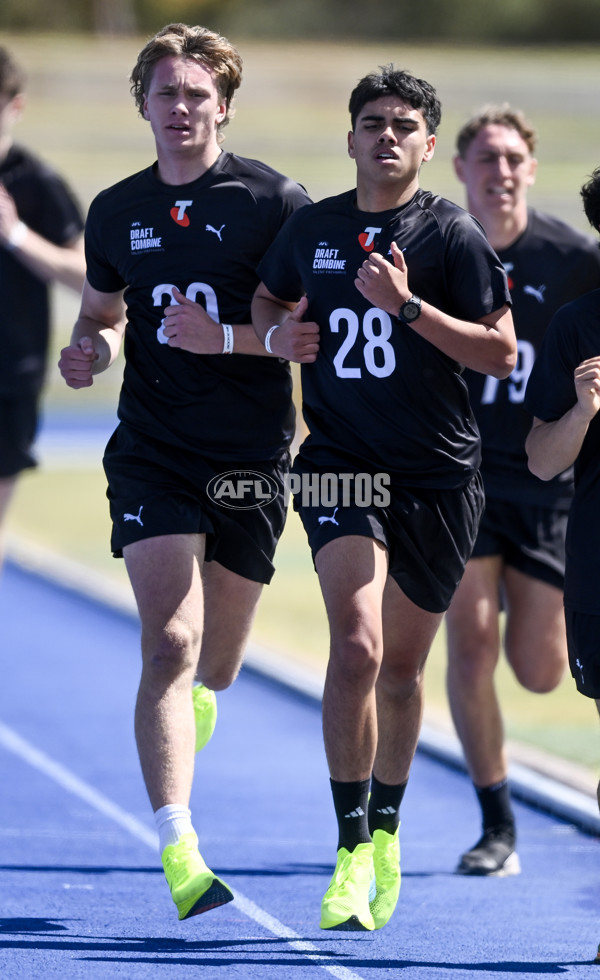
(428,533)
(583,642)
(156,489)
(18,428)
(529,538)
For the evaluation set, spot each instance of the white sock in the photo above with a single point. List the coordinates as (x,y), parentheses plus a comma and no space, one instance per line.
(172,821)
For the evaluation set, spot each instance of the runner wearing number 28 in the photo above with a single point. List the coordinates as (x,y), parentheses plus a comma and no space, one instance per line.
(405,291)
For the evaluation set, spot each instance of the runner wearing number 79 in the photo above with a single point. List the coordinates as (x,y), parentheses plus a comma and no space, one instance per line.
(405,291)
(519,556)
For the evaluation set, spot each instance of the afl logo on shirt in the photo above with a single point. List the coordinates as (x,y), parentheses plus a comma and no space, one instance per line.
(178,213)
(367,238)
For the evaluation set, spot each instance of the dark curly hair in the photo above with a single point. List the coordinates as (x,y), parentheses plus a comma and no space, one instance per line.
(393,81)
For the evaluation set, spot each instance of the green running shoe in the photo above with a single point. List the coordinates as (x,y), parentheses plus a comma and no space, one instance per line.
(194,887)
(205,714)
(345,904)
(386,858)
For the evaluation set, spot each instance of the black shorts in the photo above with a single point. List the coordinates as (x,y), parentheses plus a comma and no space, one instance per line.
(156,489)
(18,428)
(428,533)
(529,538)
(583,642)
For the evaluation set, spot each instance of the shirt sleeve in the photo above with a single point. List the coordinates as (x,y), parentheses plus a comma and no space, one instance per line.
(279,269)
(101,273)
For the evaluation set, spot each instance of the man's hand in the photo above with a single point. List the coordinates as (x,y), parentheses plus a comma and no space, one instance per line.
(76,363)
(383,284)
(295,340)
(587,386)
(188,326)
(9,218)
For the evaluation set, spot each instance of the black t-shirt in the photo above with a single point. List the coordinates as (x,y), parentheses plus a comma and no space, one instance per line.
(47,206)
(379,396)
(573,336)
(549,265)
(206,238)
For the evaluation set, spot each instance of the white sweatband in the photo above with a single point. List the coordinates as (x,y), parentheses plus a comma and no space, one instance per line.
(17,235)
(268,337)
(227,338)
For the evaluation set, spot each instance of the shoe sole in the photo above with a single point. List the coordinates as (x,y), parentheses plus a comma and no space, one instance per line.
(216,894)
(512,866)
(353,924)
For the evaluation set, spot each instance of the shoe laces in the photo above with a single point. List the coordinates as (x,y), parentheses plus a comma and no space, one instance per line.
(386,862)
(351,866)
(177,862)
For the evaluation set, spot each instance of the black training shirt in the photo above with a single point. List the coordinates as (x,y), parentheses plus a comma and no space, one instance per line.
(379,396)
(206,238)
(572,337)
(549,265)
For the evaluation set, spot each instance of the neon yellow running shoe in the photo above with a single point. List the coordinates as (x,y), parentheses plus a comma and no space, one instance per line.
(345,904)
(386,858)
(194,887)
(205,714)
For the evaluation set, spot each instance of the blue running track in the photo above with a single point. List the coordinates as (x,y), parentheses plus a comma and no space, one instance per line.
(82,891)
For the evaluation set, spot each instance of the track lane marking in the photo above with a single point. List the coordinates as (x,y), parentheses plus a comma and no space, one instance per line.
(15,743)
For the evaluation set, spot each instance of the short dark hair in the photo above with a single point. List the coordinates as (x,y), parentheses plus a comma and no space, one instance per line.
(201,44)
(590,193)
(495,115)
(12,76)
(393,81)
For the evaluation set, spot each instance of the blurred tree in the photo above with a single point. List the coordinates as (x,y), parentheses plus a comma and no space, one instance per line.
(114,17)
(399,21)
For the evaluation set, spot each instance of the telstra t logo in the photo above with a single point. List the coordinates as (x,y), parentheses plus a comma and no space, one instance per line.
(178,213)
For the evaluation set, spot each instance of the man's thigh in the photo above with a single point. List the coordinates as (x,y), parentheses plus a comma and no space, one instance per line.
(535,620)
(166,577)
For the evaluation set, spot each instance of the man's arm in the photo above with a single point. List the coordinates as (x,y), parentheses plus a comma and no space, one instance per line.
(49,262)
(553,446)
(488,345)
(188,326)
(280,325)
(96,337)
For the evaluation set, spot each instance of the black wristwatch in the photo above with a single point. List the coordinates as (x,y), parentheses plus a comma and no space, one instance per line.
(410,310)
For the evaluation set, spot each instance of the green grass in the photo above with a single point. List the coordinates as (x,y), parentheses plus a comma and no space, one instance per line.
(65,510)
(292,112)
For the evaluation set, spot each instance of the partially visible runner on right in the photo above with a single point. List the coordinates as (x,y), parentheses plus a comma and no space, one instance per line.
(563,395)
(517,566)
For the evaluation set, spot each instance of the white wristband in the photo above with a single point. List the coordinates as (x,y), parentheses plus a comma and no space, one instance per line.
(268,337)
(17,235)
(227,338)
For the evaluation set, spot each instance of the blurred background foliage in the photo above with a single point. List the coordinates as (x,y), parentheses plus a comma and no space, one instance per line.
(480,21)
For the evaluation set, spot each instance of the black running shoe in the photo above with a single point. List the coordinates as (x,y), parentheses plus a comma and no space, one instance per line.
(494,854)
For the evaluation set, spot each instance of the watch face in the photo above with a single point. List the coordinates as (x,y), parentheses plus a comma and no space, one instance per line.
(410,311)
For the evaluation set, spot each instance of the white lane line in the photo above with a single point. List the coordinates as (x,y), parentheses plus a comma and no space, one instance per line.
(69,781)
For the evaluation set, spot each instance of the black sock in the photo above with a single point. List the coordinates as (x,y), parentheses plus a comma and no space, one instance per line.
(495,805)
(384,806)
(351,801)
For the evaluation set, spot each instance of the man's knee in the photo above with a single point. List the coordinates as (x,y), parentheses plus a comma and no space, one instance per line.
(173,650)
